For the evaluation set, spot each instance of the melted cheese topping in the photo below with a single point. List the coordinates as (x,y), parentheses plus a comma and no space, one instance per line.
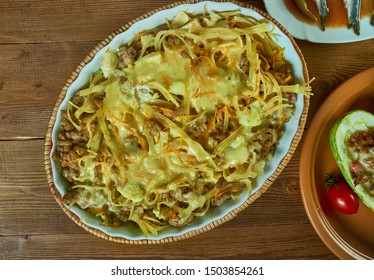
(184,125)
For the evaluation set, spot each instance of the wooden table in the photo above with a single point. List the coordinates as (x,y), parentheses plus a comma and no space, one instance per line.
(41,42)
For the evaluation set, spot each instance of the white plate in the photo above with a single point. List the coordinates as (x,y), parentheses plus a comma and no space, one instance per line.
(228,210)
(300,30)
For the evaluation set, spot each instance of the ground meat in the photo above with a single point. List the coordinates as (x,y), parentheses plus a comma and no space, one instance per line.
(174,41)
(176,222)
(65,122)
(98,98)
(197,131)
(68,157)
(362,141)
(78,136)
(360,178)
(185,54)
(268,138)
(69,174)
(64,146)
(370,162)
(223,196)
(71,196)
(219,200)
(71,144)
(244,64)
(78,100)
(290,96)
(281,77)
(153,127)
(127,56)
(359,173)
(112,216)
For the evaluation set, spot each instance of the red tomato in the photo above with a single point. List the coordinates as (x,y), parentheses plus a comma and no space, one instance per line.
(341,196)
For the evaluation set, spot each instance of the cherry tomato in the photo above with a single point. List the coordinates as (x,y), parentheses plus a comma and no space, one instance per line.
(341,196)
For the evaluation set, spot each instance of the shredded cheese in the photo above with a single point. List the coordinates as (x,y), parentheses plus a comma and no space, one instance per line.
(184,122)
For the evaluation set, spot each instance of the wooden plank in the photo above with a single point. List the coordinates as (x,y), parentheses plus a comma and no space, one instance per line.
(69,20)
(25,192)
(21,164)
(54,21)
(32,220)
(31,77)
(26,203)
(232,243)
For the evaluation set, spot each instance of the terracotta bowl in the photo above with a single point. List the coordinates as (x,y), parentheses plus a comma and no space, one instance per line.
(348,236)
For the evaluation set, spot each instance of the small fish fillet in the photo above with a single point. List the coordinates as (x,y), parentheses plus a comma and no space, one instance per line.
(323,11)
(353,8)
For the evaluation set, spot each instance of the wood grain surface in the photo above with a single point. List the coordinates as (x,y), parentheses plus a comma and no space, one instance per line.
(41,43)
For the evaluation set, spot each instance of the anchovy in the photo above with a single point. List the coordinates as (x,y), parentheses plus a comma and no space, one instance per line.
(323,10)
(353,8)
(303,7)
